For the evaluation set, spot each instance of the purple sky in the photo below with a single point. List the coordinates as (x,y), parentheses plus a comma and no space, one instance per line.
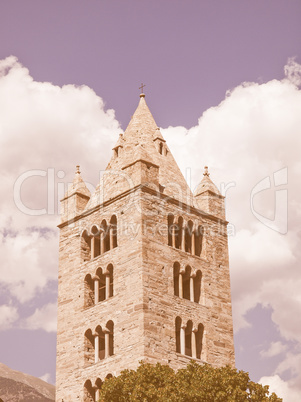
(189,54)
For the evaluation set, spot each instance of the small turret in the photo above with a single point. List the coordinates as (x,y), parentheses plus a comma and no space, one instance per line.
(208,198)
(119,145)
(75,199)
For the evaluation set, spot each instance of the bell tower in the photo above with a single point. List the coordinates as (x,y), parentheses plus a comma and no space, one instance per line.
(143,268)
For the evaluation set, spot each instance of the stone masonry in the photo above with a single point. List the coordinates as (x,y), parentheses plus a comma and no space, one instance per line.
(143,268)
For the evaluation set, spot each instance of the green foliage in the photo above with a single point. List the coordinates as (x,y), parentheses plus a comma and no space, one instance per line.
(193,384)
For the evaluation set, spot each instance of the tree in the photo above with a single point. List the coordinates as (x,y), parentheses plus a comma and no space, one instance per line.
(196,383)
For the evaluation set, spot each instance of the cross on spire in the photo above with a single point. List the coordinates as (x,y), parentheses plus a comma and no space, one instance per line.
(142,86)
(206,173)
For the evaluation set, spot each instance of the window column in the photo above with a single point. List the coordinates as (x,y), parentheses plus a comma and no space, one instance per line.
(193,243)
(96,289)
(96,347)
(183,237)
(107,342)
(102,242)
(193,342)
(181,274)
(173,235)
(92,248)
(191,279)
(182,339)
(111,231)
(107,274)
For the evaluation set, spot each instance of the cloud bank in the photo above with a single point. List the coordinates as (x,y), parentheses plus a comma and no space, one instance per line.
(45,130)
(251,139)
(245,140)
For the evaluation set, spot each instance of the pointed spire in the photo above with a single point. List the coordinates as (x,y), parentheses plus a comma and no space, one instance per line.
(208,198)
(143,141)
(141,121)
(78,185)
(75,199)
(206,184)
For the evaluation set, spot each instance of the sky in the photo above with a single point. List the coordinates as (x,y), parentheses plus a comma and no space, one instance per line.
(223,81)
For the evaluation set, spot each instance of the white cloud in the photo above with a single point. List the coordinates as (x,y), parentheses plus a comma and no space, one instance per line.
(8,315)
(281,388)
(249,136)
(42,127)
(28,262)
(275,349)
(293,71)
(45,126)
(43,318)
(253,133)
(46,377)
(283,294)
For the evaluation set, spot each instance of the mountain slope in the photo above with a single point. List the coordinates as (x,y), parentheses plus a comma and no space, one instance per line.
(16,387)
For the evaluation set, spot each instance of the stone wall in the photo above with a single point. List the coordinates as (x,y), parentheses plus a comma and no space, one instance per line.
(143,306)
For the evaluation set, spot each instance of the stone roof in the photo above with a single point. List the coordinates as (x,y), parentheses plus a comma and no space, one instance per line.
(206,185)
(142,136)
(78,186)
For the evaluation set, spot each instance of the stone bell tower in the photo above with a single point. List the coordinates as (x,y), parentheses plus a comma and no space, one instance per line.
(143,268)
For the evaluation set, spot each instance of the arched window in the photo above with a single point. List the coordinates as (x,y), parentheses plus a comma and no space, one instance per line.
(97,387)
(85,241)
(179,233)
(100,352)
(189,340)
(197,286)
(170,221)
(188,336)
(101,286)
(95,245)
(186,282)
(89,291)
(113,232)
(199,241)
(109,281)
(188,236)
(105,236)
(108,376)
(89,392)
(176,273)
(110,337)
(89,347)
(199,341)
(178,334)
